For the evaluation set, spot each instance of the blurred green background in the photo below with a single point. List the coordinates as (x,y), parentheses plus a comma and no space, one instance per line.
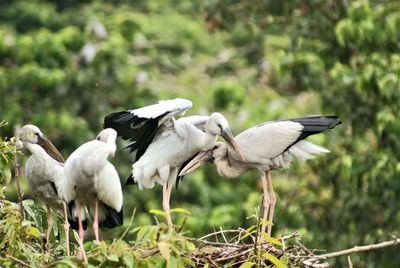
(64,65)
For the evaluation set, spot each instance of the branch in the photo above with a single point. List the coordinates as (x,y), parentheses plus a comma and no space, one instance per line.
(360,249)
(16,173)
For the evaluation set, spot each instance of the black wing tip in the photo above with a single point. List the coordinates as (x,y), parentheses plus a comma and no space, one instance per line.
(75,225)
(178,180)
(130,180)
(113,218)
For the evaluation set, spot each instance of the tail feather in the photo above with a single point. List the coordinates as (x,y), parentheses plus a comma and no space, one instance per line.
(305,150)
(73,217)
(130,180)
(111,218)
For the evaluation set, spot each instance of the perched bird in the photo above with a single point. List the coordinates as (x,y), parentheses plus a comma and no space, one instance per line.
(45,175)
(96,182)
(266,147)
(163,144)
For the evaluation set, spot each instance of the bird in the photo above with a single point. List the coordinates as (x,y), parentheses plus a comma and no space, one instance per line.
(45,175)
(96,182)
(163,144)
(268,146)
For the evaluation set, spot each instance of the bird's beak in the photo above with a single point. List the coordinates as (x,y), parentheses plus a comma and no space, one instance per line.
(46,144)
(197,161)
(230,139)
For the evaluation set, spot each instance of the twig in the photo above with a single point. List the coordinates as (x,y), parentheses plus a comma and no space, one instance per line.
(218,232)
(360,249)
(234,256)
(223,236)
(16,174)
(130,224)
(182,225)
(18,260)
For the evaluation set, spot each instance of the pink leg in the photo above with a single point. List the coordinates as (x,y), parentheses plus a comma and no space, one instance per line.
(272,203)
(66,227)
(49,225)
(96,221)
(82,253)
(81,232)
(166,196)
(266,204)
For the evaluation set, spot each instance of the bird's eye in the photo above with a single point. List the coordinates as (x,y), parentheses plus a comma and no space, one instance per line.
(37,134)
(219,125)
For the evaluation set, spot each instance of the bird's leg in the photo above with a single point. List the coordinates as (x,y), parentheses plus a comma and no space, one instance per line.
(266,204)
(166,196)
(96,221)
(82,253)
(66,227)
(81,231)
(272,203)
(49,225)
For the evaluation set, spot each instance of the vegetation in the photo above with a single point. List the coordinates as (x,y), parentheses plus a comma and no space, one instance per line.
(64,65)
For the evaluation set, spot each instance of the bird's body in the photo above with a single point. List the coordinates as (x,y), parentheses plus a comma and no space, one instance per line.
(45,179)
(163,144)
(169,149)
(45,175)
(96,181)
(268,146)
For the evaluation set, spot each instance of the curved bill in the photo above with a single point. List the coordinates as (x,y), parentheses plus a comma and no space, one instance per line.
(49,147)
(196,162)
(230,139)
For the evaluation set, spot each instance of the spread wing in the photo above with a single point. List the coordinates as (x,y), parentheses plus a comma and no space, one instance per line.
(141,125)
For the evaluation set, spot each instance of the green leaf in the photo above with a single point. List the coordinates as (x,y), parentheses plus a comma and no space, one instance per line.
(32,231)
(180,210)
(272,240)
(128,260)
(190,246)
(247,264)
(277,262)
(157,212)
(165,250)
(113,258)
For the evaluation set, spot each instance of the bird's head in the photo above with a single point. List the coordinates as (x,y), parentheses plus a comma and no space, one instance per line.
(31,135)
(107,135)
(218,152)
(218,125)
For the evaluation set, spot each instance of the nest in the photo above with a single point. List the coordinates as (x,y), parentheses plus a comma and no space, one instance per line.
(221,252)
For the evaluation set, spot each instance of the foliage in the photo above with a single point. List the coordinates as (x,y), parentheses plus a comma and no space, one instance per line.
(254,62)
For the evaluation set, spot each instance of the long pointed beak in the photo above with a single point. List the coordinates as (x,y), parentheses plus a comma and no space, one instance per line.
(49,147)
(230,139)
(196,162)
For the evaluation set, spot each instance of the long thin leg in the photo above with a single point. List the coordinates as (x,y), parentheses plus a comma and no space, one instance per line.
(266,203)
(96,221)
(49,225)
(66,227)
(272,203)
(166,196)
(81,232)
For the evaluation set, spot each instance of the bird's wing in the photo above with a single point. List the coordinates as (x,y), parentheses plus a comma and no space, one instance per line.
(109,189)
(267,140)
(197,120)
(141,125)
(90,157)
(270,139)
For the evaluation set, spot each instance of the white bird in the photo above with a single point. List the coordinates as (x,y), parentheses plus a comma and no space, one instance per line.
(163,144)
(45,175)
(96,182)
(266,147)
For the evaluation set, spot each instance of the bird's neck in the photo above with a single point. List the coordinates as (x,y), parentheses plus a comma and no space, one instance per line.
(229,168)
(209,140)
(37,151)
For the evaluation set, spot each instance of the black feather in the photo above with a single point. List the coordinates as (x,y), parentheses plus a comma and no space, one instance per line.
(140,131)
(112,218)
(180,178)
(73,220)
(314,124)
(53,185)
(130,180)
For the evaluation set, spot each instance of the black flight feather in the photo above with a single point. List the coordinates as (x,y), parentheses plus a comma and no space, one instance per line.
(314,124)
(130,180)
(112,218)
(180,178)
(72,220)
